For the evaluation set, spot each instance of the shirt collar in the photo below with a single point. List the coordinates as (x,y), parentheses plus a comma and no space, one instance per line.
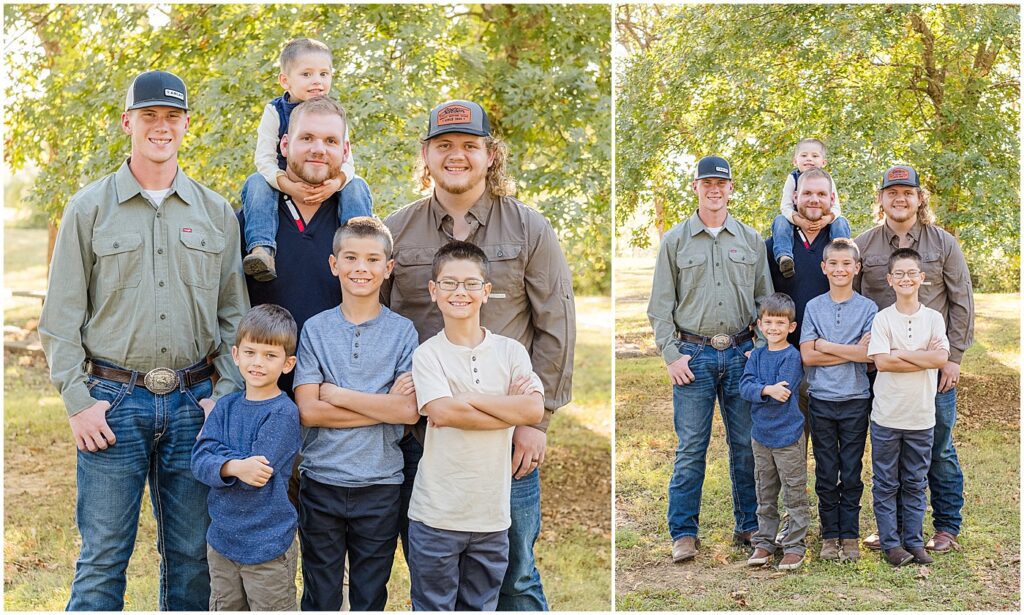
(697,225)
(481,210)
(128,186)
(890,236)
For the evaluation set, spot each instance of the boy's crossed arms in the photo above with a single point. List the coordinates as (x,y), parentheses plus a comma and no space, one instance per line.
(329,405)
(934,357)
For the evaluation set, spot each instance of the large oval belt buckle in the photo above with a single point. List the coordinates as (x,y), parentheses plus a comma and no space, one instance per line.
(721,341)
(161,380)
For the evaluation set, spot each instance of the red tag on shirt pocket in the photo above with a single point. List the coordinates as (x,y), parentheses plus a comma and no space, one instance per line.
(186,230)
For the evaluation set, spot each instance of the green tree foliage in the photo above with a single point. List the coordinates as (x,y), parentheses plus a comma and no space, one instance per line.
(936,87)
(542,72)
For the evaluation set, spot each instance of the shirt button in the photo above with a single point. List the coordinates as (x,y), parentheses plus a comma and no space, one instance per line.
(719,303)
(478,382)
(163,317)
(203,242)
(474,358)
(355,355)
(500,253)
(158,214)
(117,245)
(718,283)
(357,344)
(160,251)
(357,332)
(163,350)
(474,370)
(161,284)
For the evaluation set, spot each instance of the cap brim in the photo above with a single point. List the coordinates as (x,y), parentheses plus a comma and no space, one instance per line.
(463,129)
(715,175)
(157,103)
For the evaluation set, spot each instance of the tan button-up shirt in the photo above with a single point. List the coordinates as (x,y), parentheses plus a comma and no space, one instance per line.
(705,284)
(142,286)
(947,284)
(531,285)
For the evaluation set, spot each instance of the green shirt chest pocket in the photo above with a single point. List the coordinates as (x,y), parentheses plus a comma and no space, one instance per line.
(200,257)
(507,270)
(118,261)
(692,270)
(740,266)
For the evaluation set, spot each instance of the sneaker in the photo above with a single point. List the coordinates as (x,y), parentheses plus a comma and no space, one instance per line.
(898,556)
(829,549)
(259,264)
(873,542)
(920,555)
(759,557)
(851,550)
(685,548)
(786,266)
(791,561)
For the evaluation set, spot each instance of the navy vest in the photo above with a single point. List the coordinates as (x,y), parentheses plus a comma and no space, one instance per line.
(284,108)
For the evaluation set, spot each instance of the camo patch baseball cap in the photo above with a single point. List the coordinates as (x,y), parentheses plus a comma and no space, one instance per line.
(156,88)
(458,116)
(900,175)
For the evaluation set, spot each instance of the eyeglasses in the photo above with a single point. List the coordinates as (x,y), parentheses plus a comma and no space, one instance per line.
(471,285)
(913,274)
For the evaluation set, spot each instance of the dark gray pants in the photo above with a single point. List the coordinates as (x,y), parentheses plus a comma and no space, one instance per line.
(782,469)
(455,571)
(899,461)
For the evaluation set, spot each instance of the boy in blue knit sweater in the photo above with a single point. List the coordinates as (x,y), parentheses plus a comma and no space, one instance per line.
(771,375)
(245,453)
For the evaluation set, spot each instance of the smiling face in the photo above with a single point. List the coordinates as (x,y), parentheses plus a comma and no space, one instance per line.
(457,162)
(459,304)
(840,267)
(308,76)
(315,146)
(261,364)
(814,198)
(156,133)
(775,328)
(712,193)
(900,203)
(905,277)
(809,156)
(361,265)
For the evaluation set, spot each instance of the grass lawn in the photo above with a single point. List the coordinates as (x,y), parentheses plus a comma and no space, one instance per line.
(41,542)
(985,575)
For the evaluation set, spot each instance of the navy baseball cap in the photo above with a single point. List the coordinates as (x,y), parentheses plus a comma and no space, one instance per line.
(900,175)
(156,88)
(458,116)
(713,166)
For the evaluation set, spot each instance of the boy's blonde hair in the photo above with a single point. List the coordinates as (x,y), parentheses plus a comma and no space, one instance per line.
(299,47)
(842,244)
(811,141)
(268,324)
(364,226)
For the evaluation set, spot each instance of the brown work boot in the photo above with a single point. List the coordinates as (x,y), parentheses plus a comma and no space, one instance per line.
(759,557)
(742,539)
(685,548)
(259,264)
(786,267)
(791,561)
(873,542)
(942,542)
(829,549)
(851,550)
(920,555)
(898,556)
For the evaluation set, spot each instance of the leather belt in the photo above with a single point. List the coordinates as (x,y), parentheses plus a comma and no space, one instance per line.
(161,380)
(718,342)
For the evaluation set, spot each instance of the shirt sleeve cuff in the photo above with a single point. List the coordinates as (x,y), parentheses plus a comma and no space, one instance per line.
(671,353)
(543,425)
(77,398)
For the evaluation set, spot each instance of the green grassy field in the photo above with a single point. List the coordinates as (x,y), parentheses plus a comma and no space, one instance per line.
(985,575)
(41,542)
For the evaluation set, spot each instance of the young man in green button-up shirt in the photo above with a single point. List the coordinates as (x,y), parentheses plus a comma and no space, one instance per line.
(146,290)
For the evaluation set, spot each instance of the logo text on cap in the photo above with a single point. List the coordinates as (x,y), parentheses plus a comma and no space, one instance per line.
(898,174)
(722,169)
(454,114)
(174,94)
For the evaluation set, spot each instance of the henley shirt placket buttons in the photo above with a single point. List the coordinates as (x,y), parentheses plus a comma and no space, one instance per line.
(355,353)
(477,380)
(161,267)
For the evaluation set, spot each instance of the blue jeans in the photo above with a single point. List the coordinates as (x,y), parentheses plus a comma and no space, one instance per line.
(155,435)
(899,462)
(717,374)
(945,478)
(521,590)
(259,204)
(782,232)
